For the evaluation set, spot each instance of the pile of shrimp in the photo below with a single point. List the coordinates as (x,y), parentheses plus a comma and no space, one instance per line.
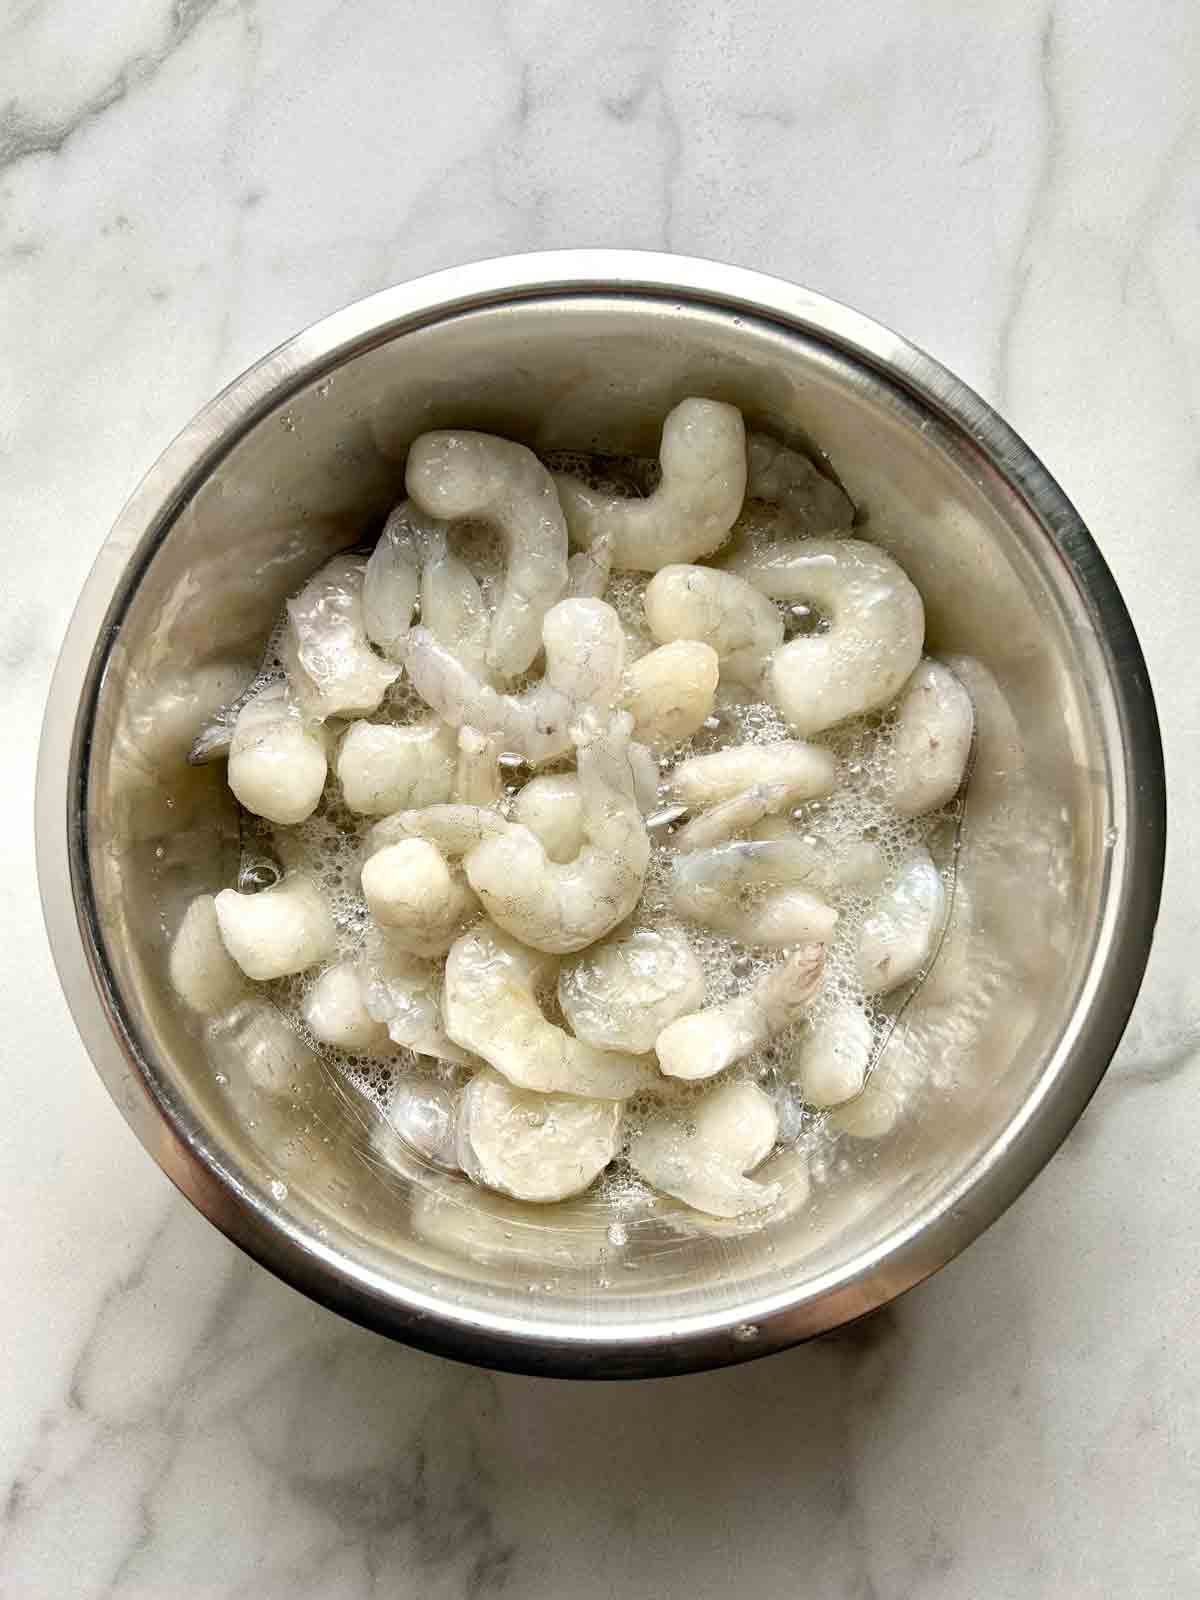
(542,853)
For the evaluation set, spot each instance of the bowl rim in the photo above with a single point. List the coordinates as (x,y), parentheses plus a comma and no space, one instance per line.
(941,1228)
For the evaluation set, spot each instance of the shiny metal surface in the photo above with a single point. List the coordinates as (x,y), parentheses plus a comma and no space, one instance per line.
(301,456)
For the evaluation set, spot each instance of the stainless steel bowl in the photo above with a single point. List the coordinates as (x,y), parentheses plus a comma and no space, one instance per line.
(300,457)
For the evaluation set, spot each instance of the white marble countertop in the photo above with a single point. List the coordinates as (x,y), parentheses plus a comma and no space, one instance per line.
(1013,186)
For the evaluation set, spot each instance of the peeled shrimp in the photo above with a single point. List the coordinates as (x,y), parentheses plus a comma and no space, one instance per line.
(392,579)
(806,769)
(703,456)
(382,768)
(490,1007)
(277,760)
(537,1147)
(873,642)
(700,1153)
(585,660)
(460,474)
(332,670)
(204,975)
(934,724)
(551,807)
(564,906)
(722,610)
(670,691)
(783,477)
(404,993)
(708,886)
(706,1042)
(277,931)
(901,930)
(831,1064)
(336,1012)
(410,890)
(622,993)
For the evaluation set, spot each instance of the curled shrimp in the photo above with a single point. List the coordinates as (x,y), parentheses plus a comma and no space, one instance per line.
(814,503)
(456,474)
(490,1007)
(720,610)
(392,580)
(901,930)
(701,1154)
(703,456)
(875,633)
(330,666)
(585,660)
(705,1042)
(670,691)
(564,906)
(932,742)
(535,1147)
(411,890)
(710,887)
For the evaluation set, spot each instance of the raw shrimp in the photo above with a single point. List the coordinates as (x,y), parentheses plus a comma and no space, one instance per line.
(490,1007)
(706,780)
(392,579)
(205,976)
(536,1147)
(410,890)
(277,931)
(336,1013)
(722,610)
(585,661)
(901,930)
(932,742)
(703,456)
(382,768)
(332,670)
(875,633)
(452,475)
(551,807)
(670,691)
(704,1043)
(622,993)
(277,760)
(700,1153)
(708,886)
(831,1064)
(564,906)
